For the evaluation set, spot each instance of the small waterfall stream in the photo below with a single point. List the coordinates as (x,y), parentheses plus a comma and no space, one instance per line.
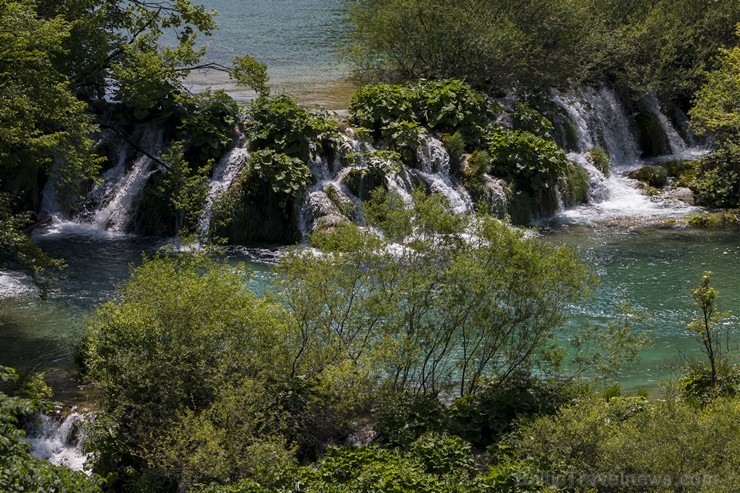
(227,169)
(599,119)
(59,440)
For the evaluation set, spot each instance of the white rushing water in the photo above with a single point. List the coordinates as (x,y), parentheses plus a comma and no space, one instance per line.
(224,174)
(59,441)
(600,120)
(113,201)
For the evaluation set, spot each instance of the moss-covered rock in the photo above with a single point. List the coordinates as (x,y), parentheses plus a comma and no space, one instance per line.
(653,176)
(574,186)
(682,172)
(599,159)
(718,219)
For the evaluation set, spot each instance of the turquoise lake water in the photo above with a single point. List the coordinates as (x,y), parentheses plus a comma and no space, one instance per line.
(298,39)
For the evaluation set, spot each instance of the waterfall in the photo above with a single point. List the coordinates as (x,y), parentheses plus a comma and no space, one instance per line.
(59,441)
(434,169)
(599,119)
(676,143)
(227,169)
(110,204)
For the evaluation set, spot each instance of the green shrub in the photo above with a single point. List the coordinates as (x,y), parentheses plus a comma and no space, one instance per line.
(599,158)
(483,417)
(455,145)
(697,386)
(208,124)
(448,106)
(528,119)
(717,182)
(278,123)
(574,186)
(443,454)
(532,162)
(683,172)
(403,417)
(376,106)
(667,444)
(259,204)
(653,176)
(445,106)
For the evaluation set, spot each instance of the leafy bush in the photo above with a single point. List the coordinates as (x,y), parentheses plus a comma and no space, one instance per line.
(574,186)
(444,454)
(444,106)
(483,417)
(285,176)
(717,182)
(528,119)
(698,386)
(666,446)
(403,417)
(182,330)
(208,124)
(653,176)
(278,123)
(375,106)
(455,145)
(532,162)
(259,204)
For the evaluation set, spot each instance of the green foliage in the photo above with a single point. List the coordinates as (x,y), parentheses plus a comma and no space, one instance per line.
(16,246)
(455,145)
(709,328)
(716,110)
(239,435)
(183,189)
(717,182)
(19,470)
(671,445)
(376,106)
(278,123)
(528,119)
(183,330)
(403,417)
(599,158)
(534,163)
(44,128)
(707,220)
(485,416)
(662,46)
(444,454)
(376,470)
(208,121)
(284,175)
(698,386)
(574,186)
(654,176)
(438,314)
(445,106)
(249,72)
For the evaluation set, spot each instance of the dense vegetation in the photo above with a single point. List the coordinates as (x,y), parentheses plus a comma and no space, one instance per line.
(421,353)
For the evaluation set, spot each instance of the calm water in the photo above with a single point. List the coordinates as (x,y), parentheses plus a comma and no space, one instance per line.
(651,269)
(298,39)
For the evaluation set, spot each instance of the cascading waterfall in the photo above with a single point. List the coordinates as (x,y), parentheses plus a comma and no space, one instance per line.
(434,169)
(111,202)
(227,169)
(599,119)
(59,441)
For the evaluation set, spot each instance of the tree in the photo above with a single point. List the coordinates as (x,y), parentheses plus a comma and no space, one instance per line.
(434,304)
(710,328)
(183,330)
